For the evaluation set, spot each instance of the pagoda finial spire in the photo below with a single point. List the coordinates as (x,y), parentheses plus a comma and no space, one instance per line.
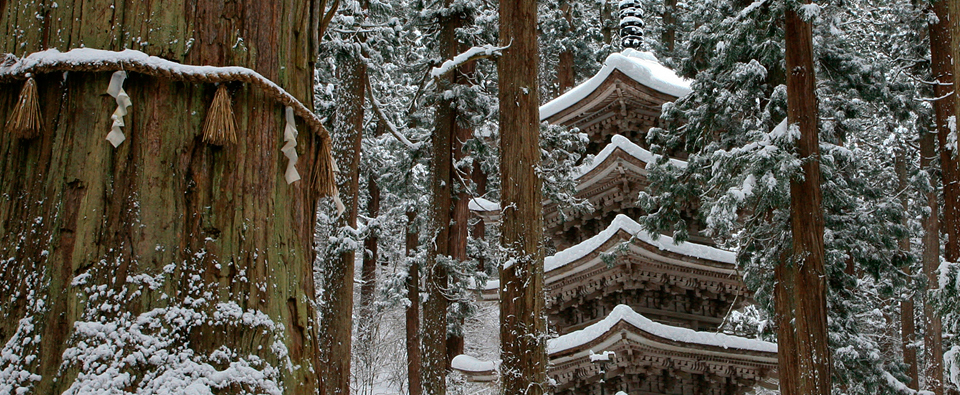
(631,24)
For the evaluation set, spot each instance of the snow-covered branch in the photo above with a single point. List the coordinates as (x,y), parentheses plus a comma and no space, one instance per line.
(383,118)
(475,53)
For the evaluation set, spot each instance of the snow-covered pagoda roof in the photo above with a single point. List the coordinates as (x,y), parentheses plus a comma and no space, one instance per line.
(717,259)
(610,181)
(618,142)
(657,333)
(607,168)
(640,353)
(637,66)
(695,259)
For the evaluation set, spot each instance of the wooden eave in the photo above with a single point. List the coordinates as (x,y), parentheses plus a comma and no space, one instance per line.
(616,88)
(638,350)
(618,170)
(675,262)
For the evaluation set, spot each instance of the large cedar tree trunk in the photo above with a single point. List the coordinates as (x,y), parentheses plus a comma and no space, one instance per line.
(522,323)
(800,292)
(945,70)
(434,330)
(336,324)
(932,341)
(163,261)
(942,70)
(460,178)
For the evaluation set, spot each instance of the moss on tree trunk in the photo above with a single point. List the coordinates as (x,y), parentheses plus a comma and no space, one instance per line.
(159,263)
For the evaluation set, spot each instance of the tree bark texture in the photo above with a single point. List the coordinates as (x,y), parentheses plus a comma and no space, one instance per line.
(609,20)
(946,110)
(414,362)
(933,333)
(434,332)
(479,178)
(460,211)
(368,271)
(143,262)
(669,35)
(522,323)
(565,75)
(800,293)
(942,70)
(908,329)
(336,325)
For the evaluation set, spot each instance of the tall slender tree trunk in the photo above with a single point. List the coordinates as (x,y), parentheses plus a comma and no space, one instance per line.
(339,267)
(414,362)
(367,325)
(669,36)
(165,240)
(908,330)
(942,70)
(479,229)
(368,270)
(932,336)
(435,307)
(608,22)
(460,215)
(522,324)
(565,76)
(945,70)
(800,293)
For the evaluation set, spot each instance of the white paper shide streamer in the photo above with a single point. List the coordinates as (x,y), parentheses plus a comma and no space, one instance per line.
(115,89)
(290,148)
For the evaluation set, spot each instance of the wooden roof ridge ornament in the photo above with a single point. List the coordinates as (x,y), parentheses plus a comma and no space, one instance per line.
(96,60)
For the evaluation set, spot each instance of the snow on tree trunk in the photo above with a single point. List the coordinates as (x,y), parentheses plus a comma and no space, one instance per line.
(668,37)
(339,265)
(414,362)
(460,211)
(566,78)
(946,111)
(164,265)
(932,335)
(434,330)
(908,330)
(522,323)
(940,65)
(800,292)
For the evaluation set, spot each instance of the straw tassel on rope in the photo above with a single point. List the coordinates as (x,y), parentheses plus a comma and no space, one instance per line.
(220,128)
(25,121)
(325,178)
